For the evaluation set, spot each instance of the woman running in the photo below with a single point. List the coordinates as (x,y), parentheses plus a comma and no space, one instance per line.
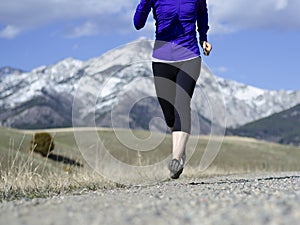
(176,63)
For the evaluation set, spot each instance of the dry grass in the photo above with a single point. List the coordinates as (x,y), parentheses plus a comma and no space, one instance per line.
(27,174)
(28,181)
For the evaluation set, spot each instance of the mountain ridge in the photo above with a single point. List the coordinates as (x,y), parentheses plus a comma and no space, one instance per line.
(282,127)
(119,73)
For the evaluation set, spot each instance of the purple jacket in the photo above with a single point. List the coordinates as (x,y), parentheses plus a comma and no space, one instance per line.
(176,37)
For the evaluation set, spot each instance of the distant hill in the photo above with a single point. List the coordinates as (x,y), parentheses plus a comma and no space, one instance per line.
(282,127)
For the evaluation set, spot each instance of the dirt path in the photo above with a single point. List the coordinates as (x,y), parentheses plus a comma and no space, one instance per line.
(240,199)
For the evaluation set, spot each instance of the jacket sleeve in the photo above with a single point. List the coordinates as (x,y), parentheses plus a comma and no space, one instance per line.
(141,14)
(202,20)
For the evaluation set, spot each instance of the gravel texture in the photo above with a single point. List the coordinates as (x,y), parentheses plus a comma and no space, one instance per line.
(235,199)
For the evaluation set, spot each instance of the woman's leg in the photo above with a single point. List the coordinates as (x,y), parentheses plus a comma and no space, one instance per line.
(175,85)
(186,82)
(165,86)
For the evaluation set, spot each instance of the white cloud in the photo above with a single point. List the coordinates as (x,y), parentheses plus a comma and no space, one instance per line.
(29,14)
(9,32)
(221,69)
(281,4)
(235,15)
(87,29)
(121,23)
(97,16)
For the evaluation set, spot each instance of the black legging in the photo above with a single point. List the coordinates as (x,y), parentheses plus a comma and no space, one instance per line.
(175,84)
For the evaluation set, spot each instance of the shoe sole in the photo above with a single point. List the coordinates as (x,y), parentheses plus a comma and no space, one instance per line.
(176,175)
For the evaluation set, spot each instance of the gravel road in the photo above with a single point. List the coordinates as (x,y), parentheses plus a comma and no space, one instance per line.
(235,199)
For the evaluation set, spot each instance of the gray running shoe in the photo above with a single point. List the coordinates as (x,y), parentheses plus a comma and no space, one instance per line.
(176,168)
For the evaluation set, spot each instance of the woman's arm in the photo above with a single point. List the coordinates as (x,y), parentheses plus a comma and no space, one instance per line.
(202,23)
(141,14)
(202,20)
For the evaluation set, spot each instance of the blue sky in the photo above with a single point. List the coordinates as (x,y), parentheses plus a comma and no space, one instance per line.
(256,43)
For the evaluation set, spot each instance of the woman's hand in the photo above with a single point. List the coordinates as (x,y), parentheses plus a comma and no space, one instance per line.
(206,47)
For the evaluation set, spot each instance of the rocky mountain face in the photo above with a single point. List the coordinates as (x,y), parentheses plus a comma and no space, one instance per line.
(116,90)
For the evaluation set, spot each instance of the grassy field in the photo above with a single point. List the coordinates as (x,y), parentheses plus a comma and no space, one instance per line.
(27,174)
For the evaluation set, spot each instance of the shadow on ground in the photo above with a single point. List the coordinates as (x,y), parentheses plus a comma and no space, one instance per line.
(64,159)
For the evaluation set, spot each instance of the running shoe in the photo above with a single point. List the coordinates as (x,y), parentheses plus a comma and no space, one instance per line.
(176,167)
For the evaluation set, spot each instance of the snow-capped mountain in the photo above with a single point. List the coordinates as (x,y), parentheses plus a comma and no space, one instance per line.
(116,89)
(9,70)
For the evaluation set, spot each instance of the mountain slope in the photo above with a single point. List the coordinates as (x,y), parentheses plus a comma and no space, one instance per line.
(283,127)
(9,70)
(117,88)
